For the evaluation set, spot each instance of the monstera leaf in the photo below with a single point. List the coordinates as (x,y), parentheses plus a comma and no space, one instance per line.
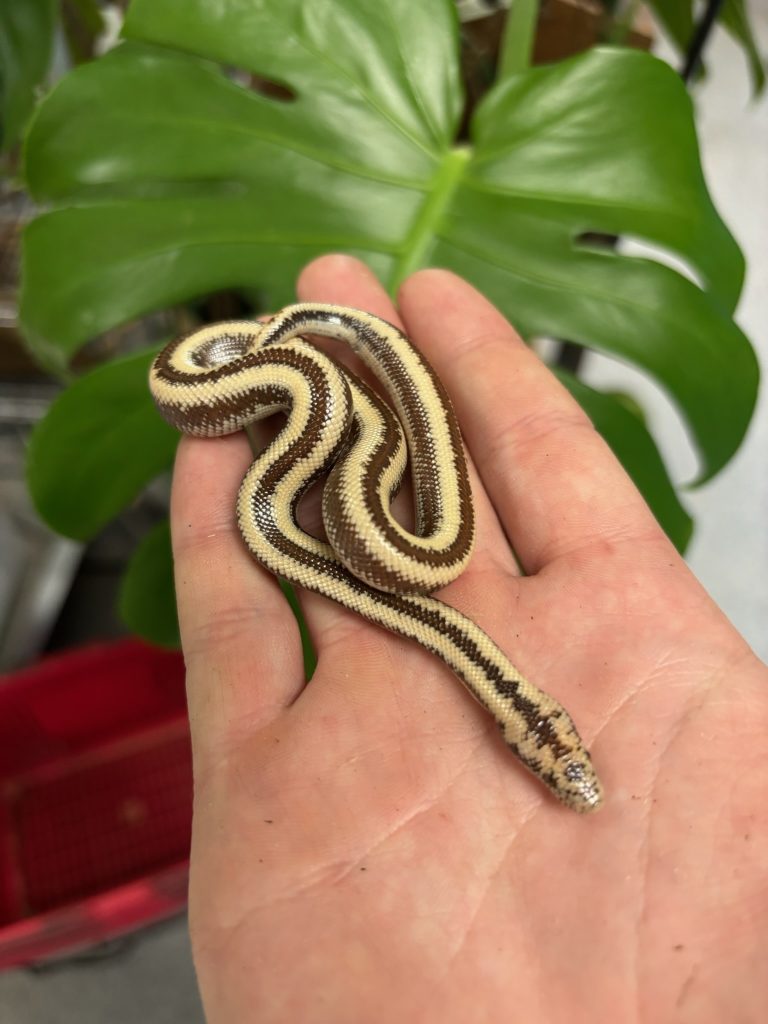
(169,177)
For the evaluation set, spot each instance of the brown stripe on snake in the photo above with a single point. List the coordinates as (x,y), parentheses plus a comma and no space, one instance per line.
(211,382)
(197,417)
(346,530)
(446,558)
(421,446)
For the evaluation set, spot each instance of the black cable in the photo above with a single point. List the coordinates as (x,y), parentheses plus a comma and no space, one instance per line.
(700,38)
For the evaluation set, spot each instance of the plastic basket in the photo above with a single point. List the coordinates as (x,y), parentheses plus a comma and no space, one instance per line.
(95,799)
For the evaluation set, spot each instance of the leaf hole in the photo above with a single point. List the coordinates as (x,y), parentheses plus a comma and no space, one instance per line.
(274,90)
(662,418)
(268,87)
(638,248)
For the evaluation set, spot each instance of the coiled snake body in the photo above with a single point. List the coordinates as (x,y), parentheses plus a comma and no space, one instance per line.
(224,377)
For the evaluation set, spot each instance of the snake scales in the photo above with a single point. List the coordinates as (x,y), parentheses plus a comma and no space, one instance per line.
(223,377)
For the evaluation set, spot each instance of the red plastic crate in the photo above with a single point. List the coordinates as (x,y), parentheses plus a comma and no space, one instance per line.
(95,798)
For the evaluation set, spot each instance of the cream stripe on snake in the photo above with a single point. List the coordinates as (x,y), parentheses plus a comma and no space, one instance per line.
(221,378)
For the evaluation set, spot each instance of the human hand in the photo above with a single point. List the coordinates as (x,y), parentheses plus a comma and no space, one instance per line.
(366,848)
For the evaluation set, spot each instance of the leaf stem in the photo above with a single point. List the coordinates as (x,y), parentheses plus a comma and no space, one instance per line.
(424,227)
(622,24)
(517,41)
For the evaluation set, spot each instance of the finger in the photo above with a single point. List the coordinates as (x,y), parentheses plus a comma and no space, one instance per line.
(554,482)
(346,281)
(239,636)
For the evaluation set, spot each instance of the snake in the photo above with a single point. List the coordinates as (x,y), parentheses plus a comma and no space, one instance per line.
(223,377)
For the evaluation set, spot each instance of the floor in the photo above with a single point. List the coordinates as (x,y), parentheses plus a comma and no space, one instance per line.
(148,980)
(151,980)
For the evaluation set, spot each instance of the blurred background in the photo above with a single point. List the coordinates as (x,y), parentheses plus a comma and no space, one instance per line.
(122,954)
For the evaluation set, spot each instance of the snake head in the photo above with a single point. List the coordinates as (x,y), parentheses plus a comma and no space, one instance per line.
(553,750)
(578,785)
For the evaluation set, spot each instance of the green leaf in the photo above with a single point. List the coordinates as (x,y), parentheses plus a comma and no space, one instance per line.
(390,65)
(26,41)
(587,146)
(733,17)
(147,599)
(634,447)
(634,309)
(307,649)
(171,179)
(99,444)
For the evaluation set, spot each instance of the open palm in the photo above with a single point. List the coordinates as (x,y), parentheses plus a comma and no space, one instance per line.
(365,847)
